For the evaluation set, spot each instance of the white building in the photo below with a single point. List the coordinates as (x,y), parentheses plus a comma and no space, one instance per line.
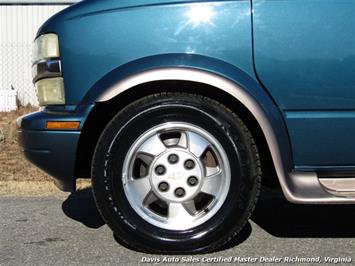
(19,22)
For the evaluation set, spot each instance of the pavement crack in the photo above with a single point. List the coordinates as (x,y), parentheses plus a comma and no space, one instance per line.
(45,241)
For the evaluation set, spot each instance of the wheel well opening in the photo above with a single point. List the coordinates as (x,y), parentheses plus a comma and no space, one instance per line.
(103,112)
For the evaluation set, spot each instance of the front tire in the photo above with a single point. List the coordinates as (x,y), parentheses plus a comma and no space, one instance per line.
(176,173)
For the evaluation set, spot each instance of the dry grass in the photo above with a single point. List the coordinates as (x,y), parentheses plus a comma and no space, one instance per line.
(30,188)
(13,166)
(18,176)
(37,188)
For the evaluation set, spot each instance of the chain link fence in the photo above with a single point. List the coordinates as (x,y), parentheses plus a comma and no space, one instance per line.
(18,27)
(16,72)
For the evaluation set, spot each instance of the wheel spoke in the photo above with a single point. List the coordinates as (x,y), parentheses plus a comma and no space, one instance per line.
(212,183)
(197,144)
(178,211)
(210,171)
(190,207)
(145,158)
(140,188)
(183,140)
(153,146)
(150,198)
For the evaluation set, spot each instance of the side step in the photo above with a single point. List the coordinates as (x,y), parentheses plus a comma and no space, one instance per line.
(339,186)
(308,188)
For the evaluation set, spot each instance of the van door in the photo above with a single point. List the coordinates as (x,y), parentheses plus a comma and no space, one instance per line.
(304,54)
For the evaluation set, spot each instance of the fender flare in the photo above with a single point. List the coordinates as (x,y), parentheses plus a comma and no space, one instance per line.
(224,84)
(223,76)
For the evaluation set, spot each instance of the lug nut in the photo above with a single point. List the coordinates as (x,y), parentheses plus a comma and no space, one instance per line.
(173,158)
(163,186)
(179,192)
(160,170)
(192,180)
(189,164)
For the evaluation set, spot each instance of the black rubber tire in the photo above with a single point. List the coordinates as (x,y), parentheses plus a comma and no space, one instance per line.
(155,109)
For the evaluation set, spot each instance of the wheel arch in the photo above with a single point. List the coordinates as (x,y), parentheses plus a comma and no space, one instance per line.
(225,83)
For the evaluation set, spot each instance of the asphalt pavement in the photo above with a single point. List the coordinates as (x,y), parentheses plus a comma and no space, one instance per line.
(69,231)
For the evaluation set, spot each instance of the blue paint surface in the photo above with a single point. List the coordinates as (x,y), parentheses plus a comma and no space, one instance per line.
(97,37)
(305,57)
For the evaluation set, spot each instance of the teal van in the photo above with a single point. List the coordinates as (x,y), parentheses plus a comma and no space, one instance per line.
(177,110)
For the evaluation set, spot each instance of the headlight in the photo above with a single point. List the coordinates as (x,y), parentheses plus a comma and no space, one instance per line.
(46,46)
(50,91)
(46,70)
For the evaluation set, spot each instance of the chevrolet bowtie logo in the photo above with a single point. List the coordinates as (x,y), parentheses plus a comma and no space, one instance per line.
(176,176)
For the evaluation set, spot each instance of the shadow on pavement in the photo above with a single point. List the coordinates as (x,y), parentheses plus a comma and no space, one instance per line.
(280,218)
(80,206)
(238,239)
(273,213)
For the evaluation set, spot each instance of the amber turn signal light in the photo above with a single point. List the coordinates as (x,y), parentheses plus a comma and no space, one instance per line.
(61,125)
